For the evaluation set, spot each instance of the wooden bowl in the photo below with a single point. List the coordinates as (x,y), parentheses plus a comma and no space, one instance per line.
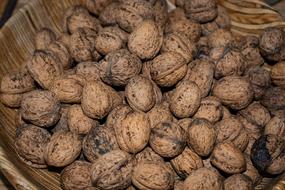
(16,48)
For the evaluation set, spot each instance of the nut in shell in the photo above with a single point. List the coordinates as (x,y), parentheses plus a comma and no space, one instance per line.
(43,38)
(108,15)
(159,113)
(97,6)
(89,70)
(118,113)
(147,155)
(11,100)
(61,51)
(238,182)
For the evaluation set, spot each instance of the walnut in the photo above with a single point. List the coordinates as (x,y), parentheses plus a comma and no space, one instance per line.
(43,38)
(210,109)
(238,182)
(76,176)
(99,141)
(62,124)
(277,74)
(203,178)
(201,136)
(228,158)
(30,143)
(132,12)
(167,69)
(159,113)
(62,149)
(146,40)
(97,6)
(112,171)
(201,10)
(147,155)
(233,91)
(167,139)
(160,11)
(45,67)
(201,72)
(179,43)
(11,100)
(275,126)
(140,93)
(185,123)
(62,52)
(251,171)
(108,15)
(152,175)
(40,107)
(274,98)
(187,162)
(185,100)
(220,38)
(118,113)
(226,113)
(78,122)
(89,70)
(132,131)
(119,66)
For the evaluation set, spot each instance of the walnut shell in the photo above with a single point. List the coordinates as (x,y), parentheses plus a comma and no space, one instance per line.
(238,182)
(61,51)
(201,136)
(44,68)
(99,141)
(40,107)
(228,158)
(43,38)
(275,126)
(201,11)
(11,100)
(97,101)
(159,113)
(132,131)
(187,162)
(277,74)
(146,40)
(97,6)
(89,70)
(167,139)
(203,178)
(119,66)
(118,113)
(132,12)
(233,91)
(186,99)
(201,72)
(179,43)
(274,98)
(78,122)
(147,155)
(278,165)
(160,9)
(108,15)
(226,112)
(62,125)
(185,123)
(168,68)
(210,109)
(251,171)
(220,38)
(76,176)
(30,143)
(77,9)
(112,171)
(62,149)
(140,93)
(152,175)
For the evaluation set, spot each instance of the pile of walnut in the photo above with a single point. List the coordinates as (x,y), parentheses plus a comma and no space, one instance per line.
(130,96)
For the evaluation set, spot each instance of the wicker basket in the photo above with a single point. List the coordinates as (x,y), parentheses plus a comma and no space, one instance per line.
(16,47)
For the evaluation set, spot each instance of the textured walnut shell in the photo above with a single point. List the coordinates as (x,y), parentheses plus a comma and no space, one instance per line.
(78,122)
(112,171)
(159,113)
(132,12)
(274,98)
(252,56)
(278,165)
(108,15)
(146,40)
(97,101)
(233,91)
(190,28)
(76,176)
(167,139)
(210,109)
(186,99)
(203,178)
(11,100)
(62,149)
(43,38)
(201,11)
(40,107)
(220,38)
(132,131)
(96,6)
(226,112)
(152,175)
(72,10)
(232,63)
(168,68)
(238,182)
(62,124)
(15,83)
(67,90)
(270,43)
(277,73)
(118,113)
(89,70)
(228,158)
(201,136)
(185,123)
(178,185)
(160,9)
(147,155)
(118,67)
(61,51)
(176,14)
(44,68)
(99,141)
(140,93)
(201,72)
(275,126)
(30,143)
(179,43)
(251,171)
(187,162)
